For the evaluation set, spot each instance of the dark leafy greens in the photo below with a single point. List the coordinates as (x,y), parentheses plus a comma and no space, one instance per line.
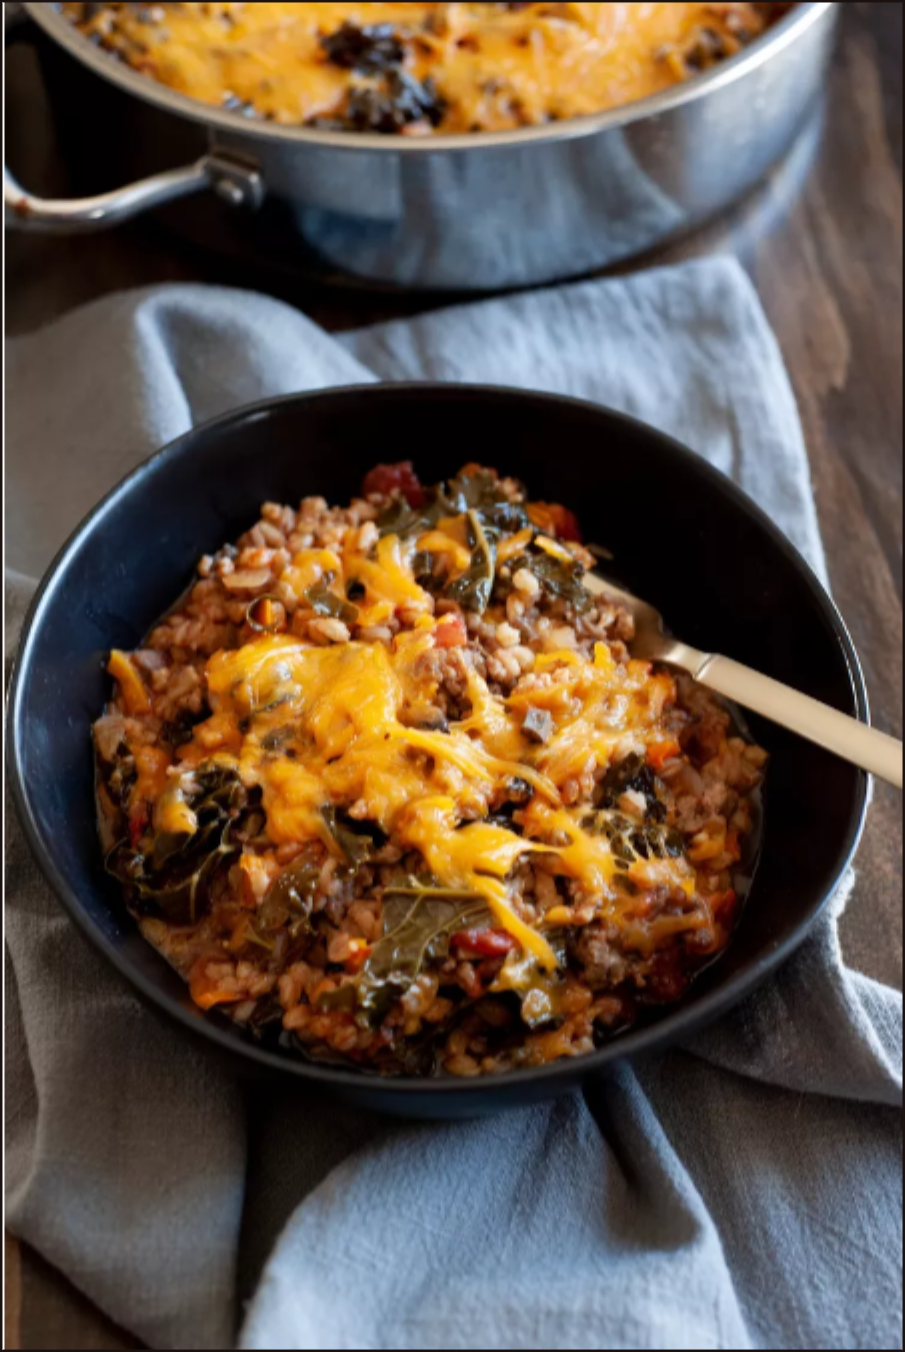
(180,729)
(119,774)
(634,773)
(631,841)
(367,50)
(357,841)
(473,589)
(394,101)
(481,492)
(326,602)
(174,875)
(289,900)
(489,513)
(556,577)
(400,519)
(539,992)
(418,920)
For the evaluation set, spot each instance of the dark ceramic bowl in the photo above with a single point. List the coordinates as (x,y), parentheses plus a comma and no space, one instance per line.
(723,575)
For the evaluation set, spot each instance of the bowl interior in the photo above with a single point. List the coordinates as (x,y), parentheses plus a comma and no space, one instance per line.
(681,534)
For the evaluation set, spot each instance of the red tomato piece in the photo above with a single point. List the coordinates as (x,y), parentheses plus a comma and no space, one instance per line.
(487,943)
(565,523)
(451,632)
(400,478)
(138,823)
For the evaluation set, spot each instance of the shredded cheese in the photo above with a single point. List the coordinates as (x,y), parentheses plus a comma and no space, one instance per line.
(496,66)
(330,726)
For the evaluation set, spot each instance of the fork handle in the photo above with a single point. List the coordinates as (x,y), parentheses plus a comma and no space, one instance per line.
(864,746)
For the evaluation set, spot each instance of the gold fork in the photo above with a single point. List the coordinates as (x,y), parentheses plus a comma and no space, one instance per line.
(854,741)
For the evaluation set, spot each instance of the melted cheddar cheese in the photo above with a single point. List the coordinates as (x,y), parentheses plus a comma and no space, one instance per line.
(316,727)
(388,773)
(490,66)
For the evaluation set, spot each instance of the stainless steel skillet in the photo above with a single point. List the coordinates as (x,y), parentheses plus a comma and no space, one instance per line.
(469,212)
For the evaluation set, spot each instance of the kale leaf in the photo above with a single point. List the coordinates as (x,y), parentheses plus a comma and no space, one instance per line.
(418,920)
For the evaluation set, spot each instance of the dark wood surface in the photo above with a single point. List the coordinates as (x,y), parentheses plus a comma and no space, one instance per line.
(823,242)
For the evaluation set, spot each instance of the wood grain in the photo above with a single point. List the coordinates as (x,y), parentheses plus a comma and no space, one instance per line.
(833,290)
(822,240)
(826,257)
(12,1291)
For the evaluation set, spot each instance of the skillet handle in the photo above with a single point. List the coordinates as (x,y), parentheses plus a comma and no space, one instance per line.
(233,180)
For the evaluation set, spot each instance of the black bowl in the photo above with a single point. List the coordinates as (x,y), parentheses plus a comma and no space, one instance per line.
(682,535)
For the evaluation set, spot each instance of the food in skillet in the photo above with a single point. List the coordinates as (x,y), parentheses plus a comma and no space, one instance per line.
(420,68)
(386,787)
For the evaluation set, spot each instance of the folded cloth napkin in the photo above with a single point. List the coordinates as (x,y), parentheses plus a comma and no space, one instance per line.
(740,1192)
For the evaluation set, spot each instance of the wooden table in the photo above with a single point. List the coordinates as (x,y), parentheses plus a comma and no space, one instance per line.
(823,243)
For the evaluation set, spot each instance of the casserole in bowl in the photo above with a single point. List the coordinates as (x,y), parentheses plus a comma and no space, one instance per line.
(692,556)
(389,787)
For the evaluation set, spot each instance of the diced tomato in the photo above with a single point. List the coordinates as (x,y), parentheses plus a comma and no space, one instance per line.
(566,523)
(485,943)
(400,478)
(451,632)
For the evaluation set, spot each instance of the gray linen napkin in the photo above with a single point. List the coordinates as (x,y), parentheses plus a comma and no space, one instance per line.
(740,1192)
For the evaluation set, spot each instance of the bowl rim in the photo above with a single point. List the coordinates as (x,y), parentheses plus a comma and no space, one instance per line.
(785,31)
(673,1026)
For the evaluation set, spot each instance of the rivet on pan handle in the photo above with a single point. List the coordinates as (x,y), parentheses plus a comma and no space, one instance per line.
(236,182)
